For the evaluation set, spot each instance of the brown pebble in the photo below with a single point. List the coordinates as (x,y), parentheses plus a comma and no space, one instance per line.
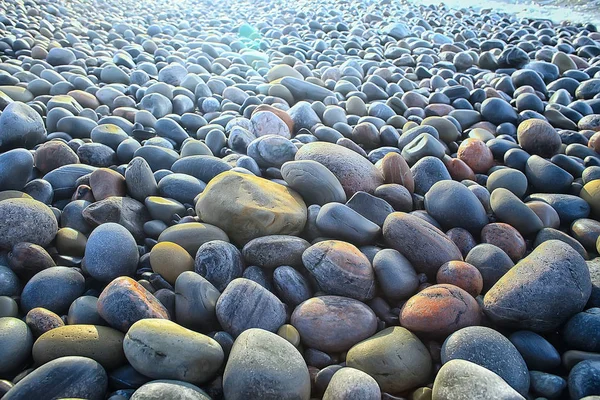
(41,321)
(463,275)
(54,154)
(395,169)
(106,183)
(458,169)
(506,237)
(463,239)
(476,155)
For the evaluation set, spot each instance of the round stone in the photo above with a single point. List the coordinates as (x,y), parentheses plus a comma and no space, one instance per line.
(111,252)
(538,137)
(40,321)
(54,288)
(462,275)
(505,237)
(350,383)
(195,302)
(165,388)
(100,343)
(440,310)
(170,260)
(264,365)
(26,220)
(394,357)
(476,155)
(333,323)
(315,183)
(16,341)
(161,349)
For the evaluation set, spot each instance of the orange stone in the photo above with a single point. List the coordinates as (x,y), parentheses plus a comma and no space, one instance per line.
(506,237)
(395,169)
(440,310)
(476,155)
(463,275)
(458,169)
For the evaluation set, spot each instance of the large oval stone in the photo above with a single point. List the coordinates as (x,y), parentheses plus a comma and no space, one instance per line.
(490,349)
(124,302)
(315,183)
(64,378)
(542,291)
(263,365)
(340,269)
(15,344)
(453,205)
(394,357)
(425,246)
(110,252)
(274,251)
(26,220)
(192,235)
(461,379)
(440,310)
(245,304)
(333,323)
(54,289)
(100,343)
(354,172)
(247,207)
(161,349)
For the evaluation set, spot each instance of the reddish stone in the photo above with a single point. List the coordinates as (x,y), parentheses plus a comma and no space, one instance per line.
(439,311)
(594,142)
(285,117)
(462,275)
(123,302)
(458,169)
(506,237)
(106,183)
(40,321)
(476,155)
(394,169)
(463,240)
(54,154)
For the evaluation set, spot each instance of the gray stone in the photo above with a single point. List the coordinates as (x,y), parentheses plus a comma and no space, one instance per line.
(15,168)
(26,220)
(20,126)
(275,250)
(110,252)
(219,262)
(195,302)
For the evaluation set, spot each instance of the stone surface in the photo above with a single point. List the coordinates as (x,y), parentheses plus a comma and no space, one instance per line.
(26,220)
(111,252)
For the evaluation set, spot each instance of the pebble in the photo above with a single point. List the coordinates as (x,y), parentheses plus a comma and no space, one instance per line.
(124,301)
(522,298)
(16,342)
(350,383)
(584,378)
(333,323)
(26,220)
(440,310)
(21,126)
(40,321)
(162,349)
(489,349)
(245,304)
(261,365)
(100,343)
(313,181)
(339,268)
(161,388)
(227,199)
(110,252)
(394,357)
(170,260)
(54,289)
(461,379)
(195,302)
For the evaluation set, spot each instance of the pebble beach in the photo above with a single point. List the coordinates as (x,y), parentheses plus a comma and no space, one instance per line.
(299,200)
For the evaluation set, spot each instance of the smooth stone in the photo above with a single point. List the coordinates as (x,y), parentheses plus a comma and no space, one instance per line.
(54,154)
(584,379)
(16,341)
(100,343)
(547,385)
(354,172)
(333,323)
(510,209)
(20,126)
(537,352)
(554,234)
(426,172)
(124,211)
(497,111)
(192,235)
(491,261)
(245,304)
(247,207)
(538,137)
(15,168)
(304,90)
(166,388)
(110,252)
(64,178)
(371,207)
(505,237)
(27,259)
(54,288)
(163,209)
(84,311)
(395,275)
(546,176)
(313,181)
(180,187)
(440,310)
(508,178)
(568,207)
(204,168)
(273,251)
(394,357)
(157,157)
(219,262)
(581,331)
(350,383)
(463,275)
(66,377)
(124,302)
(26,220)
(422,146)
(271,150)
(106,182)
(342,222)
(462,379)
(162,349)
(264,365)
(195,302)
(395,169)
(489,349)
(339,268)
(170,260)
(523,299)
(41,321)
(586,231)
(445,201)
(9,282)
(476,155)
(425,246)
(291,286)
(591,194)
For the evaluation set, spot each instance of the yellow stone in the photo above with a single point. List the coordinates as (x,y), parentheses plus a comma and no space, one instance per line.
(170,260)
